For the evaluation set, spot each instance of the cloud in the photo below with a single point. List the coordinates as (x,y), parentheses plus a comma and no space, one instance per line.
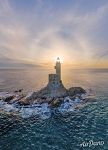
(43,33)
(5,8)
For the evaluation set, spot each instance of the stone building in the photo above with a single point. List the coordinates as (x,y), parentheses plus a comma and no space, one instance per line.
(55,79)
(55,86)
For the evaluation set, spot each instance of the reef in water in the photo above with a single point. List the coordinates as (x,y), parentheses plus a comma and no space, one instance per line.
(41,104)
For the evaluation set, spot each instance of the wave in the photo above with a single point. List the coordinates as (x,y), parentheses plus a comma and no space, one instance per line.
(43,111)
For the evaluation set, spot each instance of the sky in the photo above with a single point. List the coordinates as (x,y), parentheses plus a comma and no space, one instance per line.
(33,33)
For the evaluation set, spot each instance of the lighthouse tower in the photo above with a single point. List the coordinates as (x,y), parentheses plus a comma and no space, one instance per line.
(55,85)
(58,69)
(55,79)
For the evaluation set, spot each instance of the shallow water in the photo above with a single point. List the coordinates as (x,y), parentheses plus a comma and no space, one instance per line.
(59,132)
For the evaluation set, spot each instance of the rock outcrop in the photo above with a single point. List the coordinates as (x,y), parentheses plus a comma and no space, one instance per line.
(53,96)
(75,90)
(49,93)
(42,103)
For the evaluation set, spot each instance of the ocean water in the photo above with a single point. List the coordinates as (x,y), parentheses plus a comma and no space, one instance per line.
(60,132)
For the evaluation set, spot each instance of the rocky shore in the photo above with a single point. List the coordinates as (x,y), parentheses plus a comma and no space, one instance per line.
(42,102)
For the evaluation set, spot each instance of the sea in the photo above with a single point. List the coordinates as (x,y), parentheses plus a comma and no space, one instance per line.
(84,129)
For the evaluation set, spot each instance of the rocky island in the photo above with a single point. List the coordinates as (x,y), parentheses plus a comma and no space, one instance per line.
(42,102)
(54,91)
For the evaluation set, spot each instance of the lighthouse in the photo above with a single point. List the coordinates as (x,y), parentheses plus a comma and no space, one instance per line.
(55,86)
(58,68)
(55,79)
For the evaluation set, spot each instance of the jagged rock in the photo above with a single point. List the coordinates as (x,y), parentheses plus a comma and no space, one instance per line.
(18,91)
(49,99)
(37,101)
(76,90)
(48,93)
(8,98)
(56,103)
(17,98)
(24,102)
(35,95)
(43,93)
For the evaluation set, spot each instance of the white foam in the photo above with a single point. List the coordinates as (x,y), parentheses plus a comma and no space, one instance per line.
(9,108)
(77,100)
(41,111)
(46,111)
(2,103)
(67,106)
(26,112)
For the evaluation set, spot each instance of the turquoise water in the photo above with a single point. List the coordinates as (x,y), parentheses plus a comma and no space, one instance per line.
(58,132)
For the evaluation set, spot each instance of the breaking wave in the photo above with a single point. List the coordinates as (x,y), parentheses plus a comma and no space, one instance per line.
(43,111)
